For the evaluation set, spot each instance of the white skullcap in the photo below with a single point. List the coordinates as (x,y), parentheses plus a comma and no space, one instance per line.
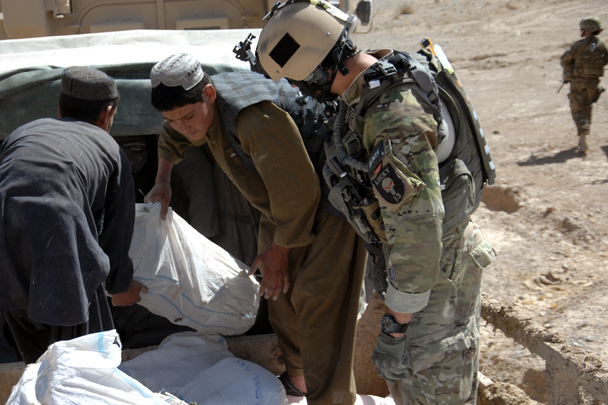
(181,69)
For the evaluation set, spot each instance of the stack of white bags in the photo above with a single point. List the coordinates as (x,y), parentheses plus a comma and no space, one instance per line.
(191,281)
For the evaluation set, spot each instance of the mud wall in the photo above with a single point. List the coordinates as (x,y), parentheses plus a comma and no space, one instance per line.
(573,377)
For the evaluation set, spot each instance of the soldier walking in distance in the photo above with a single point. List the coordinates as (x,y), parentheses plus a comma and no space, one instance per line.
(583,66)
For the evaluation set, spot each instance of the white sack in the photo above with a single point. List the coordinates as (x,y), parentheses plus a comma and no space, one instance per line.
(191,280)
(196,367)
(83,371)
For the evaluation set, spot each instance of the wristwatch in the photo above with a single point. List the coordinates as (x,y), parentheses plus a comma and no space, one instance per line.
(390,325)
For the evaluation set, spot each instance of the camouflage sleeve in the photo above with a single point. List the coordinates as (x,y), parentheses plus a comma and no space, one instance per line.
(568,56)
(411,204)
(172,144)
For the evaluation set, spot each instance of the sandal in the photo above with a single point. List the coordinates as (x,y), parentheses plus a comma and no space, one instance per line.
(290,388)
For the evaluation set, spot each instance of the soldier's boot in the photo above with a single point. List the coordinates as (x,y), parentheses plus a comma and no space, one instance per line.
(582,144)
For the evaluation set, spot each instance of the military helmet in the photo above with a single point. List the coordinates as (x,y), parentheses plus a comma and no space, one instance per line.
(591,24)
(298,36)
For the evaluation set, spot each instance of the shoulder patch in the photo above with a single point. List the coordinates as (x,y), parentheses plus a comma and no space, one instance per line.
(391,185)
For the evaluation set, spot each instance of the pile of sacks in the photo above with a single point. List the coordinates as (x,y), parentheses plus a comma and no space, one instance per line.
(191,282)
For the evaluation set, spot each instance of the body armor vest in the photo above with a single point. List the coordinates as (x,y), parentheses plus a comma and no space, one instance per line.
(590,58)
(238,91)
(463,174)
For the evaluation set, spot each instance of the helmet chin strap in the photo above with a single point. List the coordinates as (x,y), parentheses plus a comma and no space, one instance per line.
(320,89)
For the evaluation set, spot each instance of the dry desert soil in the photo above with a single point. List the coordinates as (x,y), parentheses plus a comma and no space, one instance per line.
(546,215)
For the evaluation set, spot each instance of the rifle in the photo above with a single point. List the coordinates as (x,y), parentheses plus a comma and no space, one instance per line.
(560,87)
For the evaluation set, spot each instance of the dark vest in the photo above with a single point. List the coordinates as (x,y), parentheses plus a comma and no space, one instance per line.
(238,90)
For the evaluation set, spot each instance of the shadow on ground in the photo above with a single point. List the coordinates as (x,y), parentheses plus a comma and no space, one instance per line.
(559,157)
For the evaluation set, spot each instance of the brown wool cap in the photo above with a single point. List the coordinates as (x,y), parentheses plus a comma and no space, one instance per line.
(86,83)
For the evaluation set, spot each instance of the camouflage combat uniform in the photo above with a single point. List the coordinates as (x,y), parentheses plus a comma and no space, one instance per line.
(583,66)
(433,275)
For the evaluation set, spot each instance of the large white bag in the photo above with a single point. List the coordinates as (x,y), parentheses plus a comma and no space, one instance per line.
(199,368)
(83,371)
(191,280)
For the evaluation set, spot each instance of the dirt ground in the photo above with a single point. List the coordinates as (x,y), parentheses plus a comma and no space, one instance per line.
(546,215)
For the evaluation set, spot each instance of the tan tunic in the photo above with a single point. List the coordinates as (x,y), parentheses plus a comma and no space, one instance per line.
(315,322)
(286,191)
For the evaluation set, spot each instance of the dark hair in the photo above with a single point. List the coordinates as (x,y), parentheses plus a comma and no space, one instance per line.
(87,110)
(165,98)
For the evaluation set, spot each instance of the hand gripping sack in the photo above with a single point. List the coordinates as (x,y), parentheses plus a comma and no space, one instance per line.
(191,281)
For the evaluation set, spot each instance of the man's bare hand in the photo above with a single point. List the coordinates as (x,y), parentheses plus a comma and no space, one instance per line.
(160,192)
(275,271)
(162,186)
(131,296)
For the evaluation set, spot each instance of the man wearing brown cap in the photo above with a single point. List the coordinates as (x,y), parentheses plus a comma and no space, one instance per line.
(271,148)
(67,209)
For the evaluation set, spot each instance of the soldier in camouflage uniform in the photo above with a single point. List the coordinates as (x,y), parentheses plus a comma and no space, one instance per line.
(429,345)
(583,66)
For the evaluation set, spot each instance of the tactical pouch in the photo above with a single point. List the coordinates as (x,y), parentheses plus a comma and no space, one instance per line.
(374,218)
(457,192)
(341,197)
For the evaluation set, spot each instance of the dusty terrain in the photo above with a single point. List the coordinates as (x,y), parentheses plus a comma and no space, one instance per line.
(546,215)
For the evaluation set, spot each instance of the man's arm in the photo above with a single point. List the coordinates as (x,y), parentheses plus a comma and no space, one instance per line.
(275,264)
(171,150)
(568,56)
(408,187)
(271,138)
(414,221)
(162,186)
(117,231)
(131,296)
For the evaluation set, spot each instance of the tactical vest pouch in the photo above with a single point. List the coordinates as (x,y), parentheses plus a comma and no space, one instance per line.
(589,61)
(374,218)
(458,193)
(364,215)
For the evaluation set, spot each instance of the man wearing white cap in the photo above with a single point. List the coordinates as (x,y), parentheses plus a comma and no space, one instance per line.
(67,203)
(271,148)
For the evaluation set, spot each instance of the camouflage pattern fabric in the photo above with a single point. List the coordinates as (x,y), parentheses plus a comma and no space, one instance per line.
(443,338)
(582,93)
(583,65)
(586,58)
(443,335)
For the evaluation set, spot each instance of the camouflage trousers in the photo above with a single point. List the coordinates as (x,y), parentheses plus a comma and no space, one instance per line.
(443,338)
(582,94)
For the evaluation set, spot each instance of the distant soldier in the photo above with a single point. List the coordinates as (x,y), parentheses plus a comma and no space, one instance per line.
(583,66)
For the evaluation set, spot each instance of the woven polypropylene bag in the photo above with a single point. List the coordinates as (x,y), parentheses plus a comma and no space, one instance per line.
(191,281)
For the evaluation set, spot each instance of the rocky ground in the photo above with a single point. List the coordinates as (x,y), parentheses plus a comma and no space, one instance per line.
(546,215)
